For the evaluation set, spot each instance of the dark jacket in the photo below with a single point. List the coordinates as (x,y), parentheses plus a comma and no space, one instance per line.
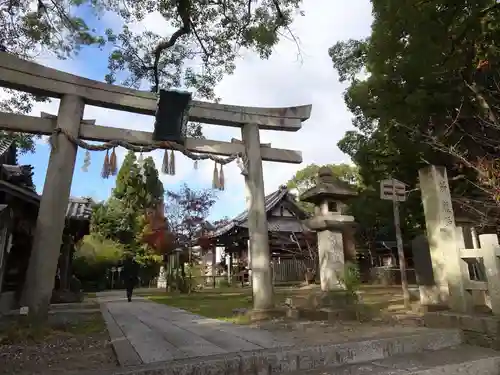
(130,273)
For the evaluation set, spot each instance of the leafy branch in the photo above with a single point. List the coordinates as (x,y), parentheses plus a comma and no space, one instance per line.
(184,10)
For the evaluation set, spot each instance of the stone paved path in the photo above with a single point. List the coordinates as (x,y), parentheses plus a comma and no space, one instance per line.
(158,332)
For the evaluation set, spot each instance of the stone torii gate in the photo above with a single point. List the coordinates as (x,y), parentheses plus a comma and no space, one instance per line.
(75,92)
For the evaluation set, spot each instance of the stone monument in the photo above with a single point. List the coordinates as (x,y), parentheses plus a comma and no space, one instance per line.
(329,197)
(448,288)
(162,279)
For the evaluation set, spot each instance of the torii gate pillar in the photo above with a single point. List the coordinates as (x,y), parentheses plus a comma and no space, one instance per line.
(52,212)
(262,287)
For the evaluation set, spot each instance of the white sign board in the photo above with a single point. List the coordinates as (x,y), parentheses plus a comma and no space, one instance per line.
(392,190)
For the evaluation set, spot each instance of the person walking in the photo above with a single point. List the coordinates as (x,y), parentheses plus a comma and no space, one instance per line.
(131,271)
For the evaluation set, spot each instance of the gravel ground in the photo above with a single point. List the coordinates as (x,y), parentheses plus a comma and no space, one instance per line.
(72,341)
(312,332)
(318,332)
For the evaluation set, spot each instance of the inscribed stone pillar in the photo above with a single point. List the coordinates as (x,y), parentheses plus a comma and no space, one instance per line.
(441,233)
(331,259)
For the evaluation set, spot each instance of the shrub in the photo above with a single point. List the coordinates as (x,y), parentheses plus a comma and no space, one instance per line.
(351,277)
(93,258)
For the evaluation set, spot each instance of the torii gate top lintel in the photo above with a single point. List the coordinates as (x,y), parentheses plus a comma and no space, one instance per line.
(37,79)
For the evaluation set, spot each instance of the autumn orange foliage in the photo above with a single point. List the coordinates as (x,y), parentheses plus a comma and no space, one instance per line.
(157,234)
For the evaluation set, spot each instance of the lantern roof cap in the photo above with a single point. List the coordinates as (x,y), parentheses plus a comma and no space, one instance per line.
(328,187)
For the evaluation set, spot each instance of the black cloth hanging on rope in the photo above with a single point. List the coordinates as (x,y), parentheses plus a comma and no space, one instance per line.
(172,116)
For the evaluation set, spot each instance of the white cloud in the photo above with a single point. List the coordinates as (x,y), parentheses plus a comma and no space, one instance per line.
(283,80)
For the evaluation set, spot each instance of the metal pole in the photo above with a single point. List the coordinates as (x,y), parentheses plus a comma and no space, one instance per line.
(401,254)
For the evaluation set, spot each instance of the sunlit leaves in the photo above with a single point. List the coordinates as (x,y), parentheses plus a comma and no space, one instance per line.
(199,60)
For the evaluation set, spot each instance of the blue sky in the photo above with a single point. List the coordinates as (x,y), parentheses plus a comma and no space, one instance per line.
(283,80)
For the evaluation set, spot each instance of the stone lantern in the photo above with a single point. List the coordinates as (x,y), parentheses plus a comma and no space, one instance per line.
(329,197)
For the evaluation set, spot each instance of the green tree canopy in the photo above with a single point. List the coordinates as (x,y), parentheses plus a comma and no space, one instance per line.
(138,187)
(421,90)
(122,216)
(305,178)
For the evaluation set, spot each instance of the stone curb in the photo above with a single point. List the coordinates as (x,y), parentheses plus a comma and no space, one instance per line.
(295,358)
(124,351)
(461,360)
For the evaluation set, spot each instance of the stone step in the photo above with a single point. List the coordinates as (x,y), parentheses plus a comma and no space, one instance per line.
(280,360)
(464,360)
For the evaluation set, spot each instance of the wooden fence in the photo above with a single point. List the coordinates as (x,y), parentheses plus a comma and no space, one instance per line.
(283,269)
(290,269)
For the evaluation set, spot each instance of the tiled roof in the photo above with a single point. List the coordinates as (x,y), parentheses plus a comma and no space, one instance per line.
(277,224)
(79,208)
(20,191)
(5,144)
(271,201)
(16,170)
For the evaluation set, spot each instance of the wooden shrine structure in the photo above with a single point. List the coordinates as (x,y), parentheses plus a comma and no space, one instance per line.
(284,218)
(292,246)
(69,127)
(19,204)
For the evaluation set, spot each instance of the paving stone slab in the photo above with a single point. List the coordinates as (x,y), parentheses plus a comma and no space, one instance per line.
(288,359)
(186,342)
(124,351)
(147,341)
(210,333)
(161,333)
